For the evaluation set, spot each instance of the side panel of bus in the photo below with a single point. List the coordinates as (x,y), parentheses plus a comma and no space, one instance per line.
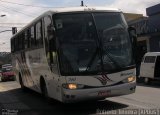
(31,62)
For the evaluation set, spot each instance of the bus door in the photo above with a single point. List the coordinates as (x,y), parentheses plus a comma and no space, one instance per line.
(51,56)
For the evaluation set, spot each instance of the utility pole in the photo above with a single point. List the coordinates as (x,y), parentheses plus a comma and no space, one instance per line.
(14,30)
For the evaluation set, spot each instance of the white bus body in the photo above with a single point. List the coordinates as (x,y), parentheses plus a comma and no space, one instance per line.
(86,71)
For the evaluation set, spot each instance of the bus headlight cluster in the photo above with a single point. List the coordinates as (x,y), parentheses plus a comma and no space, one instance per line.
(72,86)
(129,79)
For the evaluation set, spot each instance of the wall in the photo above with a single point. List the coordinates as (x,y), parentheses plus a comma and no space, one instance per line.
(155,44)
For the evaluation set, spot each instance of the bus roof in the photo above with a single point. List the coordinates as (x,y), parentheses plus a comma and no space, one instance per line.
(83,9)
(70,9)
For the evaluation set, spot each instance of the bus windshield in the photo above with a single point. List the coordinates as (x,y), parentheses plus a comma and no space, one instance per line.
(92,43)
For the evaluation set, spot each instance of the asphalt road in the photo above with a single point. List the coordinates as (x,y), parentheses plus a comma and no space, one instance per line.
(13,100)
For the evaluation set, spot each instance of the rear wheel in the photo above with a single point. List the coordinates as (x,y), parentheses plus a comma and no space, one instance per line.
(21,83)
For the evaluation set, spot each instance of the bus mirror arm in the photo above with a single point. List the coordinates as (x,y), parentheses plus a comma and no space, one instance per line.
(132,32)
(51,36)
(133,36)
(51,31)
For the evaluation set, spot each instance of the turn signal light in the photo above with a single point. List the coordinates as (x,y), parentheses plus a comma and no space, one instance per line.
(131,78)
(72,86)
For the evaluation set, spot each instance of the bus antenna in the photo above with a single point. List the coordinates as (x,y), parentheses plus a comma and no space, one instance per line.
(82,4)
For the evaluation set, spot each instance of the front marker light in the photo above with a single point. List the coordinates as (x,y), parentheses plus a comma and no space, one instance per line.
(129,79)
(72,86)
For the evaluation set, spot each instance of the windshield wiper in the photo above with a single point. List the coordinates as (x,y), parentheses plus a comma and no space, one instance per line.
(111,59)
(92,59)
(98,49)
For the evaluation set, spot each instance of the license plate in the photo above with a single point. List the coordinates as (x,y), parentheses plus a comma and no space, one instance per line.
(104,93)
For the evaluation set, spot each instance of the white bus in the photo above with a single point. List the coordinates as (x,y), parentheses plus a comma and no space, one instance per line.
(75,54)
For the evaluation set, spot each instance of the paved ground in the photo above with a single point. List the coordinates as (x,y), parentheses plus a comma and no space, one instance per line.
(14,100)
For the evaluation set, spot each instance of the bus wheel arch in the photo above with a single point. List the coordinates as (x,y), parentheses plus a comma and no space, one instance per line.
(43,87)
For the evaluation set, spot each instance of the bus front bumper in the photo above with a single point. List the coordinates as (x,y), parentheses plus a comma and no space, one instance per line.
(70,96)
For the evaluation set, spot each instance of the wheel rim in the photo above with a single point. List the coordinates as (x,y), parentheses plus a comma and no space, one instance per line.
(146,80)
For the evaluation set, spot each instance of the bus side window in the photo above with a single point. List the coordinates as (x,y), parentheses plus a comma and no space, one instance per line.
(21,45)
(29,37)
(12,45)
(39,38)
(47,23)
(25,39)
(32,37)
(16,43)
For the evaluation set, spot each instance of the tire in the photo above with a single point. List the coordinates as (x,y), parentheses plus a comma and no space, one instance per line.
(45,91)
(147,80)
(3,79)
(21,83)
(43,88)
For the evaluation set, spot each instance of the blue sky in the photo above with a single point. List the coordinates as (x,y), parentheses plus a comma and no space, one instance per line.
(24,14)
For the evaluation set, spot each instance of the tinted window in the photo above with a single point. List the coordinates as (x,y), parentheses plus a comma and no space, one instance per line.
(32,37)
(39,39)
(16,44)
(25,40)
(88,44)
(12,45)
(21,42)
(149,59)
(47,23)
(29,37)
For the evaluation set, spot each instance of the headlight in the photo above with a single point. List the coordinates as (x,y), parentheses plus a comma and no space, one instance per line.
(72,86)
(129,79)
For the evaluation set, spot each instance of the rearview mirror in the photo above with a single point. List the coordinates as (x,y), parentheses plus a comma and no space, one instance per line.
(132,32)
(133,36)
(50,31)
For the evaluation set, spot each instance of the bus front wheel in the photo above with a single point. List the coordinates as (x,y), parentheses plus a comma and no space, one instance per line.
(43,88)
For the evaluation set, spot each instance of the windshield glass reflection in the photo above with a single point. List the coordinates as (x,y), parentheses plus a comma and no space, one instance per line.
(92,42)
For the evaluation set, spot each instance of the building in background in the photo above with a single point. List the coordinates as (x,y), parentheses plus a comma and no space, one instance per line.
(148,31)
(131,16)
(154,20)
